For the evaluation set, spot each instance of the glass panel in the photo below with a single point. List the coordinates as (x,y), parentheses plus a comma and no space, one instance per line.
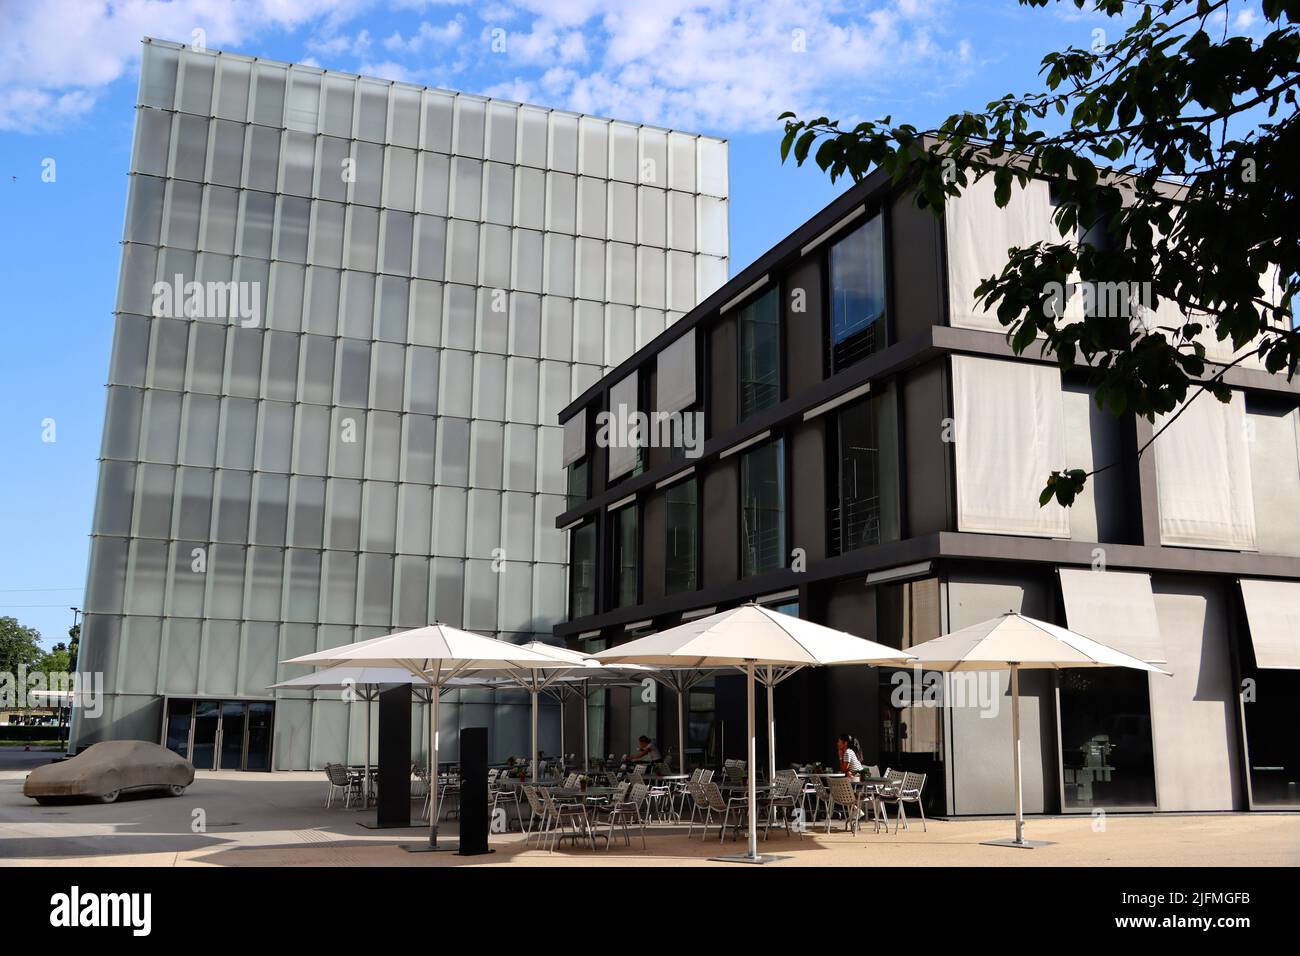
(680,551)
(115,497)
(325,239)
(371,117)
(153,500)
(762,509)
(220,215)
(334,168)
(430,247)
(498,193)
(760,355)
(525,258)
(435,130)
(501,121)
(485,454)
(232,735)
(303,110)
(193,516)
(466,188)
(865,511)
(306,512)
(337,114)
(233,491)
(1106,752)
(577,492)
(379,517)
(189,147)
(623,152)
(1270,716)
(256,218)
(268,95)
(258,753)
(422,381)
(417,448)
(593,149)
(200,417)
(357,293)
(857,266)
(270,509)
(468,129)
(404,116)
(530,198)
(432,185)
(532,137)
(206,715)
(291,231)
(396,257)
(352,376)
(392,293)
(462,252)
(387,371)
(368,172)
(347,442)
(238,430)
(339,588)
(152,142)
(362,239)
(399,179)
(158,76)
(384,445)
(451,460)
(620,276)
(179,714)
(625,557)
(161,426)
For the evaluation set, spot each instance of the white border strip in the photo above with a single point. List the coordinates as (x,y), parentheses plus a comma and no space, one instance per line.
(851,217)
(745,295)
(673,479)
(614,506)
(898,573)
(757,439)
(836,402)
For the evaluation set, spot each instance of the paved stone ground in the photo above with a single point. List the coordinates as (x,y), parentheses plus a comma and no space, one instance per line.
(279,819)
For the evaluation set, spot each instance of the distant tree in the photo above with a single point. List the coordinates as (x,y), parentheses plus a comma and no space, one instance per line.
(1176,98)
(74,645)
(57,660)
(19,645)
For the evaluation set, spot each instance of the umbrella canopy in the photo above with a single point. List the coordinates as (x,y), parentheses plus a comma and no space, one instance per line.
(750,634)
(1014,642)
(747,637)
(435,654)
(337,678)
(1025,641)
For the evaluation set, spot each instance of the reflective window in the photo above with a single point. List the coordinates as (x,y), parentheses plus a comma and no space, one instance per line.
(1106,753)
(680,552)
(582,571)
(857,270)
(864,506)
(762,509)
(623,538)
(760,354)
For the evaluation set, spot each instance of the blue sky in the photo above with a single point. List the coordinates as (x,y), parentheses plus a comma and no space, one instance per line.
(68,72)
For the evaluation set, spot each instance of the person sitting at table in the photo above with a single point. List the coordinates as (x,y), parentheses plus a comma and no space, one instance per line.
(648,753)
(848,746)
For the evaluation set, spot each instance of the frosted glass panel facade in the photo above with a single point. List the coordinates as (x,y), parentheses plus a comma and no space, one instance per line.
(400,288)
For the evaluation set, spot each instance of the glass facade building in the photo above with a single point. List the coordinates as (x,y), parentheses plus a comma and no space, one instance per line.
(349,313)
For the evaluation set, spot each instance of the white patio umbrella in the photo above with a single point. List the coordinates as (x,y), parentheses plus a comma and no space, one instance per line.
(1014,642)
(436,654)
(747,637)
(364,680)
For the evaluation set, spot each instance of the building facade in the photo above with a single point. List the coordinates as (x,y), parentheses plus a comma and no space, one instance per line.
(349,313)
(872,459)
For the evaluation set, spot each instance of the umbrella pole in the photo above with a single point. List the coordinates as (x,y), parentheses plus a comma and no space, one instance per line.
(586,749)
(771,731)
(563,752)
(433,766)
(1015,756)
(681,729)
(752,769)
(533,768)
(369,696)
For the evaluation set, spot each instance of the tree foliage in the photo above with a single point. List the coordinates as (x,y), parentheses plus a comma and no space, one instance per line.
(19,646)
(1178,142)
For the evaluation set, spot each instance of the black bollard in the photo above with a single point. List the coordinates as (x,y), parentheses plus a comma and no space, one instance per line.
(474,818)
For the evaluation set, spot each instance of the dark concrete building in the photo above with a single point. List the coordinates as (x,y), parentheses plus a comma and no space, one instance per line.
(871,457)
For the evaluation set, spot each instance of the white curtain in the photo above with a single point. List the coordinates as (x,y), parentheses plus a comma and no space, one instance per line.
(622,405)
(1115,608)
(675,375)
(979,236)
(575,437)
(1273,612)
(1203,475)
(1010,435)
(1274,437)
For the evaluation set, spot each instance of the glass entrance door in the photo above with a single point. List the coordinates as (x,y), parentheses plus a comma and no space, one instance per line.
(221,734)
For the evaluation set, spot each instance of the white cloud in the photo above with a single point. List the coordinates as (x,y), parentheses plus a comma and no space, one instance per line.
(723,66)
(715,65)
(57,56)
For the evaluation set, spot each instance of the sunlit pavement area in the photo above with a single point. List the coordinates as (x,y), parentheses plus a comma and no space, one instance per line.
(280,820)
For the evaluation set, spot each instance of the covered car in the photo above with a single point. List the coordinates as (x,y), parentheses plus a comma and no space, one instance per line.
(105,770)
